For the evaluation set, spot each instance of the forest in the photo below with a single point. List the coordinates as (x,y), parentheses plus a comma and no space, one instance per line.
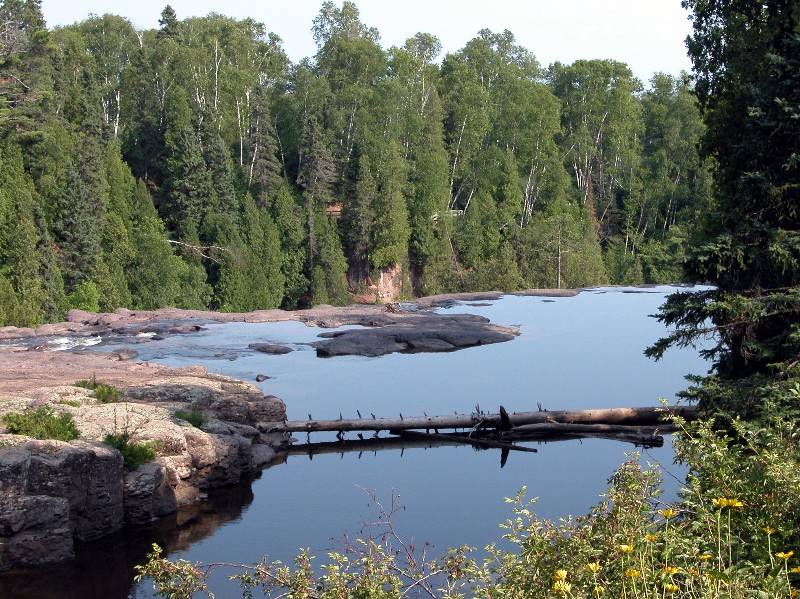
(196,166)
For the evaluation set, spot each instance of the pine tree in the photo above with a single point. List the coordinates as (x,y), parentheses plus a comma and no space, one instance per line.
(289,221)
(429,216)
(187,184)
(749,89)
(391,232)
(509,201)
(315,177)
(264,170)
(217,161)
(20,262)
(359,220)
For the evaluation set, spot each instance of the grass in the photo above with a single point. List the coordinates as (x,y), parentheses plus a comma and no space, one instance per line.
(41,423)
(194,417)
(73,403)
(100,391)
(134,454)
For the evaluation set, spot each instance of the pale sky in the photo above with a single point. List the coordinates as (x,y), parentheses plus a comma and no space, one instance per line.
(647,34)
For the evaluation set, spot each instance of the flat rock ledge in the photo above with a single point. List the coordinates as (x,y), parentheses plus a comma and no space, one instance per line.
(413,333)
(53,493)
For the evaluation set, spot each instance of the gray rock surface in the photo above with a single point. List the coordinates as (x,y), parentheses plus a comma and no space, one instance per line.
(53,493)
(423,332)
(270,348)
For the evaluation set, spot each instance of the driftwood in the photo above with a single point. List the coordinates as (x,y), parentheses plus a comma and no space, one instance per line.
(627,416)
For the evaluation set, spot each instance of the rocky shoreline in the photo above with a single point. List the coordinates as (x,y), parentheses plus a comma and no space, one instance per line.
(55,493)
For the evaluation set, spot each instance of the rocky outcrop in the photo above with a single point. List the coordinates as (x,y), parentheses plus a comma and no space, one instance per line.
(53,493)
(424,332)
(270,348)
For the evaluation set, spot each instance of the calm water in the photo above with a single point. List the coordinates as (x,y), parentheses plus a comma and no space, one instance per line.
(578,352)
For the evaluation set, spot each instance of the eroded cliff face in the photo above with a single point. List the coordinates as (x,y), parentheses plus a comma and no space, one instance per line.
(53,493)
(384,286)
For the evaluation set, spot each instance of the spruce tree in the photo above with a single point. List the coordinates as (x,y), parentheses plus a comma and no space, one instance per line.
(264,170)
(391,231)
(749,90)
(188,185)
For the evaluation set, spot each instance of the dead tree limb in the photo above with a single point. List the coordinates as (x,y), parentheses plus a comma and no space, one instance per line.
(642,416)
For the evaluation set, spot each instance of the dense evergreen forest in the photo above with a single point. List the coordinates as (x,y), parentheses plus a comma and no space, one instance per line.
(194,165)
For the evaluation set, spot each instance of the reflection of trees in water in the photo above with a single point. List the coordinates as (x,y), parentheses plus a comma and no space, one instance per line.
(105,569)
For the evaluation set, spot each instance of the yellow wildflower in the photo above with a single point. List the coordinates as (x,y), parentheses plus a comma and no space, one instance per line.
(625,548)
(705,557)
(795,570)
(593,567)
(632,573)
(668,513)
(562,587)
(598,591)
(729,503)
(693,571)
(560,575)
(784,555)
(670,570)
(651,538)
(671,587)
(769,530)
(794,593)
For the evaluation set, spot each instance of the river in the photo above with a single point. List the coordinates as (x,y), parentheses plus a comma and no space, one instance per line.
(573,352)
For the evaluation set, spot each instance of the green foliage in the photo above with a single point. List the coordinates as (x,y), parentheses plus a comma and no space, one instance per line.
(85,297)
(747,245)
(731,534)
(133,454)
(133,175)
(41,423)
(102,392)
(194,417)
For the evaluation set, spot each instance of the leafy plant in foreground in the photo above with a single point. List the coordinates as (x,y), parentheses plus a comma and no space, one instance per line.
(41,423)
(100,391)
(134,454)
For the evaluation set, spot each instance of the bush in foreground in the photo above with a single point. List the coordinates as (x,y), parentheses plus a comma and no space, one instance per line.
(100,391)
(732,535)
(134,454)
(41,423)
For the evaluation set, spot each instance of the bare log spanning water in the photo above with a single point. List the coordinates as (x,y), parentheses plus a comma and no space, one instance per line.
(628,416)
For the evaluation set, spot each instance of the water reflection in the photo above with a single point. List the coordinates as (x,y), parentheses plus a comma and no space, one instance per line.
(573,353)
(105,569)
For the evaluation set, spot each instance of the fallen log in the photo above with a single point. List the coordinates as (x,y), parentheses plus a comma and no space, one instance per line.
(631,416)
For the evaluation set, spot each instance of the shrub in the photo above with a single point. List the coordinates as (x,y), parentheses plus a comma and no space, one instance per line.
(194,417)
(42,423)
(732,535)
(85,297)
(100,391)
(73,403)
(134,454)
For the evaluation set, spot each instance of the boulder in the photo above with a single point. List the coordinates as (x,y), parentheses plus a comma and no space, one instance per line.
(270,348)
(34,529)
(149,493)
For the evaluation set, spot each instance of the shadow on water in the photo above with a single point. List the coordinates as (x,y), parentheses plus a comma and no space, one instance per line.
(105,569)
